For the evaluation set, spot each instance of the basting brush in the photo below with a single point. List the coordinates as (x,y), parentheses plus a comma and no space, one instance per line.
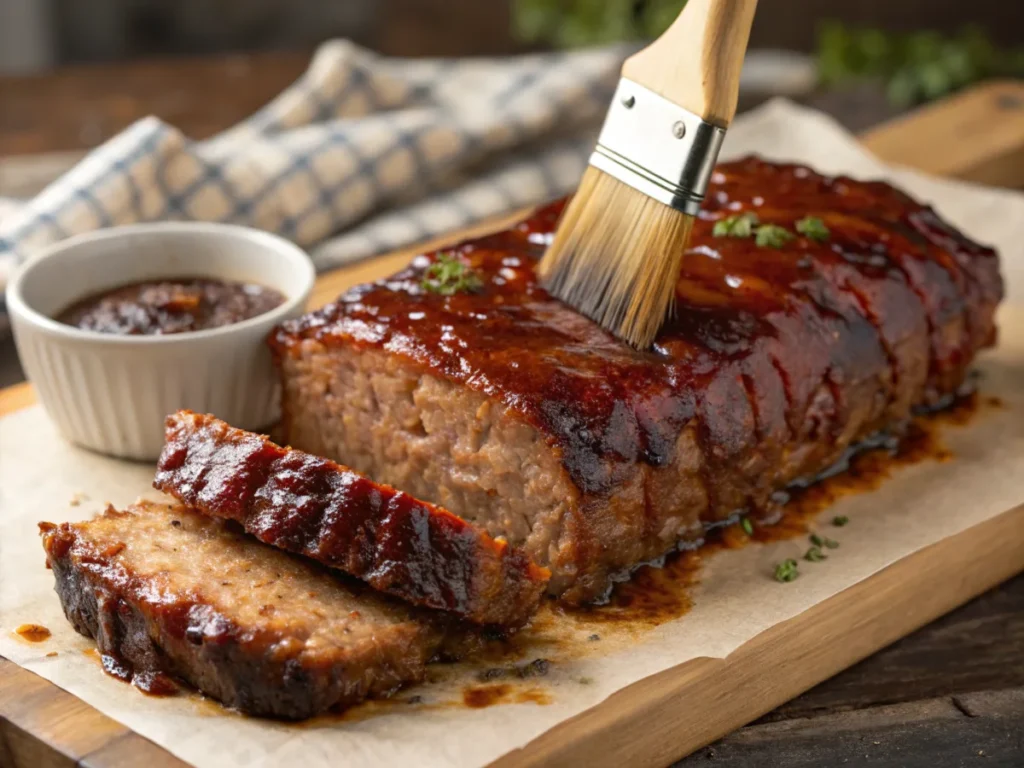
(617,252)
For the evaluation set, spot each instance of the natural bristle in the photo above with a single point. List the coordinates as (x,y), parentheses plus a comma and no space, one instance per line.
(616,257)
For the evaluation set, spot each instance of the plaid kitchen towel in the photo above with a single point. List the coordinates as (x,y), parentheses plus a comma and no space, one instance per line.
(364,154)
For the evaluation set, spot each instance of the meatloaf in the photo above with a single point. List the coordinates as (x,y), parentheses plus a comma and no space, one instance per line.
(314,507)
(167,591)
(520,415)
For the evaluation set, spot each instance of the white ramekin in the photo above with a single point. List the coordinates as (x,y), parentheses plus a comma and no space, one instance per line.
(111,393)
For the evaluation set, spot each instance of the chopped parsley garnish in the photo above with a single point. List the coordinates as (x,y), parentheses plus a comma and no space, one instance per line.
(815,555)
(840,520)
(747,526)
(448,276)
(772,236)
(825,541)
(787,570)
(769,235)
(740,225)
(813,228)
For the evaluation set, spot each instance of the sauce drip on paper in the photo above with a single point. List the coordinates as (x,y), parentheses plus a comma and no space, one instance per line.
(33,633)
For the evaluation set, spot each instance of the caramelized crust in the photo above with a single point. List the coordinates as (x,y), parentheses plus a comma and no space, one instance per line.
(775,361)
(312,506)
(169,593)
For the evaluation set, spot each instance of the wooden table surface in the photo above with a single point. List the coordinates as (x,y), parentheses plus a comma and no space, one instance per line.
(950,694)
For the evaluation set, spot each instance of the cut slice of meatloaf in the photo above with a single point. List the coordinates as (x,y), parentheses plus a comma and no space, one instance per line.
(167,591)
(314,507)
(520,415)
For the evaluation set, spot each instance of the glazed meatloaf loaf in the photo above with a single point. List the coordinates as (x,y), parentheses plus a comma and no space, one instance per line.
(314,507)
(168,593)
(491,398)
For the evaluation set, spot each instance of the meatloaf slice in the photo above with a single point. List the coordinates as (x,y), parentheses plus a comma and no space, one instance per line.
(518,414)
(312,506)
(167,591)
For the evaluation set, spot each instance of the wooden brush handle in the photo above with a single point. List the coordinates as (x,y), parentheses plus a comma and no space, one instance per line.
(696,63)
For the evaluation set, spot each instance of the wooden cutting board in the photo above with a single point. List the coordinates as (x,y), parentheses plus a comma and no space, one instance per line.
(978,135)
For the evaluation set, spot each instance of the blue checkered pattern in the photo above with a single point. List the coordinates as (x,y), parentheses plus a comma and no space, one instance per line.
(364,154)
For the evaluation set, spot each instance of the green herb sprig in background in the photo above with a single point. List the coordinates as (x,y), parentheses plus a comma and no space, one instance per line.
(577,23)
(916,67)
(913,68)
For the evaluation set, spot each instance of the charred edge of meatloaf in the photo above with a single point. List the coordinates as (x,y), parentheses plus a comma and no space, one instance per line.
(145,627)
(312,506)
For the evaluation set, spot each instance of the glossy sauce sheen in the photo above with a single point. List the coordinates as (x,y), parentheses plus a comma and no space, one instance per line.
(890,272)
(171,306)
(312,506)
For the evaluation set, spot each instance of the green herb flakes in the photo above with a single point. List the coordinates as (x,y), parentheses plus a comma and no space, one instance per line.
(740,225)
(815,555)
(813,228)
(823,541)
(772,236)
(448,276)
(747,224)
(787,570)
(840,520)
(747,526)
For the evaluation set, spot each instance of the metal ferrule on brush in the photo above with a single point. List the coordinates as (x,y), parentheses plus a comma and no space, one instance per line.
(657,147)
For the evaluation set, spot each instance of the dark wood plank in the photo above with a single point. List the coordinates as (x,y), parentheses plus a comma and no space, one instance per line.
(83,106)
(977,647)
(79,107)
(443,28)
(984,728)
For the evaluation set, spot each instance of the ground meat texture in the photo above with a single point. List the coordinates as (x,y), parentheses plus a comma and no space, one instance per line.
(520,415)
(171,306)
(312,506)
(167,591)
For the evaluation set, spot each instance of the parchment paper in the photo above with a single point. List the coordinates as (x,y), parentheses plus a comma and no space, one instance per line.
(736,599)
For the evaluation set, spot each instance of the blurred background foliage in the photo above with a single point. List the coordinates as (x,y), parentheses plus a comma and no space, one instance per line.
(577,23)
(914,67)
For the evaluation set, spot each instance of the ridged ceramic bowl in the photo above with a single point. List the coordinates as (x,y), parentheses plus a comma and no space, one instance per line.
(111,393)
